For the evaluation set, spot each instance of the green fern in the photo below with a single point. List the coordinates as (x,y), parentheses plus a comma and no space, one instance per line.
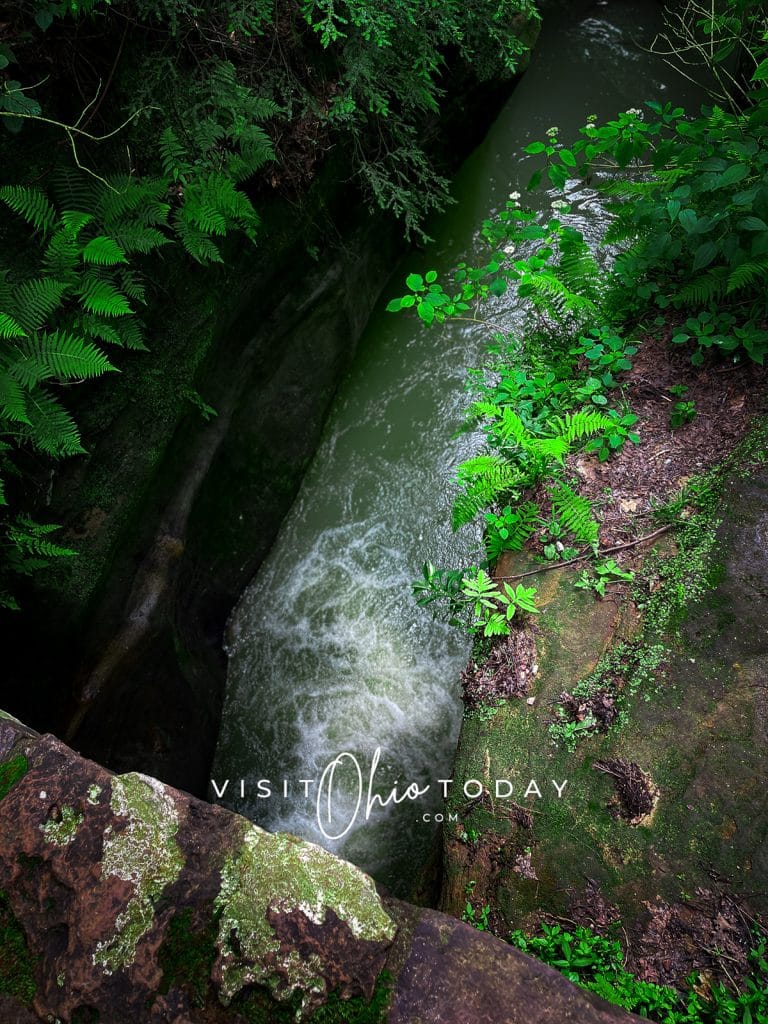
(13,403)
(750,274)
(51,428)
(31,204)
(104,252)
(10,328)
(574,512)
(58,355)
(101,297)
(35,300)
(578,425)
(704,289)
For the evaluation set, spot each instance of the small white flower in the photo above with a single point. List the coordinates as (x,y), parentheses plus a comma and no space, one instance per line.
(559,204)
(509,248)
(514,196)
(552,132)
(637,112)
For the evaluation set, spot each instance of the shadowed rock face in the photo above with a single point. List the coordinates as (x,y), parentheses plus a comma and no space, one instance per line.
(124,900)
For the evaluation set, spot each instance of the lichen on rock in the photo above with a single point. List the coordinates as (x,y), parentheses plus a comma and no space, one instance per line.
(62,829)
(144,853)
(283,874)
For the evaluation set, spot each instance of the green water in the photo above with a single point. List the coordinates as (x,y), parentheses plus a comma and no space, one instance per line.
(328,653)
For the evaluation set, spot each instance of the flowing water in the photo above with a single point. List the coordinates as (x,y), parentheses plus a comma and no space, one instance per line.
(328,653)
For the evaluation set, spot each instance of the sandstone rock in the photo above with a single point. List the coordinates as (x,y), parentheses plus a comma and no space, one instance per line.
(124,900)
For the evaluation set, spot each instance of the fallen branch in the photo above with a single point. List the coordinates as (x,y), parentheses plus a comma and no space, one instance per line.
(588,554)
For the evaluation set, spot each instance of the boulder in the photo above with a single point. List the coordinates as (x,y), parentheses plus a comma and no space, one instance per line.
(124,900)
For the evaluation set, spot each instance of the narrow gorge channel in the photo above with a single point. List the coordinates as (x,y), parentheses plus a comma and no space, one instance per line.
(327,652)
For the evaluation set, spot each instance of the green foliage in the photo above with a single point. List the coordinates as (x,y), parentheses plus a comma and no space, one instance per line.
(597,964)
(602,574)
(471,597)
(567,731)
(693,228)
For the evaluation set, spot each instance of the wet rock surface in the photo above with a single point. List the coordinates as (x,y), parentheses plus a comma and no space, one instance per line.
(125,900)
(664,823)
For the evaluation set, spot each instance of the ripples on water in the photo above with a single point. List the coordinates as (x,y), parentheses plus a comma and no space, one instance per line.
(327,650)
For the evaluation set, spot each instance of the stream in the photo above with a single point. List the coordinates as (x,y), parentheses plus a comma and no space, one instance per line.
(328,654)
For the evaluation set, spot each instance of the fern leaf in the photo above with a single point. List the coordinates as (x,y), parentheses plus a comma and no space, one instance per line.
(75,220)
(749,274)
(128,196)
(483,411)
(31,204)
(574,426)
(60,356)
(35,300)
(197,243)
(104,252)
(51,428)
(99,296)
(133,286)
(575,514)
(478,466)
(551,447)
(74,190)
(173,155)
(13,404)
(702,289)
(512,428)
(465,508)
(62,254)
(10,328)
(131,333)
(138,238)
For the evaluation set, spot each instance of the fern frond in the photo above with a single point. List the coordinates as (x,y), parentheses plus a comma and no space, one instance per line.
(133,286)
(32,538)
(13,404)
(62,254)
(75,220)
(197,243)
(575,513)
(104,252)
(465,508)
(73,189)
(128,196)
(51,428)
(10,328)
(512,428)
(35,300)
(486,487)
(703,289)
(131,333)
(138,238)
(31,204)
(60,356)
(577,425)
(480,465)
(747,275)
(173,155)
(551,447)
(518,531)
(483,411)
(99,296)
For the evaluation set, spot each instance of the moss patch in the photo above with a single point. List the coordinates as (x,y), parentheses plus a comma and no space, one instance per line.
(17,975)
(144,853)
(283,873)
(258,1007)
(186,956)
(11,772)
